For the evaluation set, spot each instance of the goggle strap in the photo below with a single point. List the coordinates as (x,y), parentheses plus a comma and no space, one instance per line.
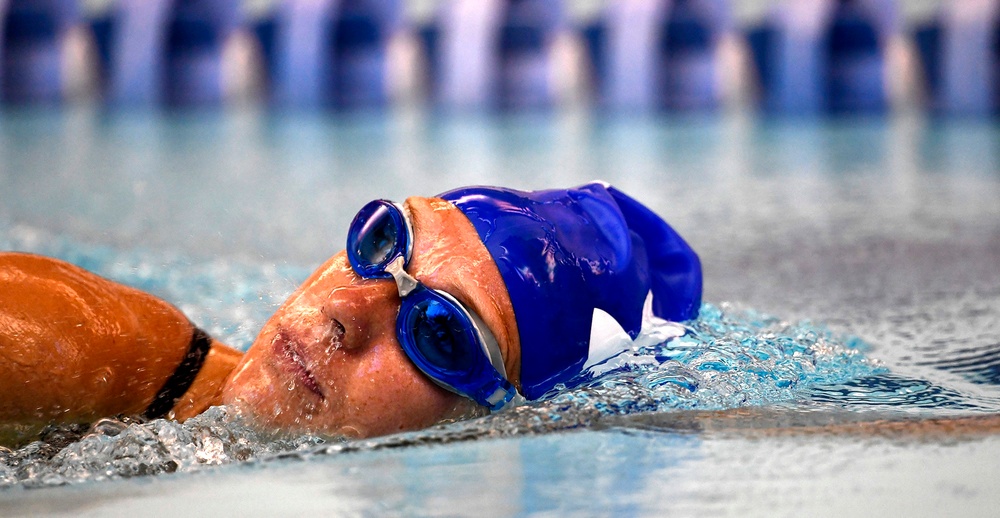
(490,345)
(408,253)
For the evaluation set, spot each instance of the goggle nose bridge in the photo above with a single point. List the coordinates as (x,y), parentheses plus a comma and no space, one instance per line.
(405,283)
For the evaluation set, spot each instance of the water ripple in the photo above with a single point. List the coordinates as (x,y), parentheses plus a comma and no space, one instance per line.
(888,390)
(978,365)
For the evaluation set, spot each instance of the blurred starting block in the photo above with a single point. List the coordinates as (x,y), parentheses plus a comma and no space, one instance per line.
(824,56)
(165,51)
(960,56)
(32,38)
(660,54)
(328,52)
(493,53)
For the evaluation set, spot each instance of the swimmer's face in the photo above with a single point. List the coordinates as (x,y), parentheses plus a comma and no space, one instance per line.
(328,361)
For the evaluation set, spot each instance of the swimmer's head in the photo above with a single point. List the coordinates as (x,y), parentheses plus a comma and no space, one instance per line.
(502,275)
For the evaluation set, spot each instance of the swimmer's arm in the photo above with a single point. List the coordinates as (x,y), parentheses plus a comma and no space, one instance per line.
(75,347)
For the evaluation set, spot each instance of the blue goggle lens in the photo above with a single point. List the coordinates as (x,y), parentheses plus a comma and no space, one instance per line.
(439,335)
(378,235)
(378,243)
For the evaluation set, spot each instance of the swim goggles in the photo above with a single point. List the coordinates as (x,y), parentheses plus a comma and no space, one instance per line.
(445,339)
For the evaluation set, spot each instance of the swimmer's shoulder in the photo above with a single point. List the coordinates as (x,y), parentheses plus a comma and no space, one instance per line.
(75,347)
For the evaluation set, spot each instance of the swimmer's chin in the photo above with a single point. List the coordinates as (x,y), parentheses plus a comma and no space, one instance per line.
(269,412)
(269,397)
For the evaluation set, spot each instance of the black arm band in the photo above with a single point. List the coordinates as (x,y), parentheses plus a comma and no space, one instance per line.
(182,378)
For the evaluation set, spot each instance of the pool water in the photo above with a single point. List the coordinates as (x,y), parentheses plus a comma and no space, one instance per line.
(847,357)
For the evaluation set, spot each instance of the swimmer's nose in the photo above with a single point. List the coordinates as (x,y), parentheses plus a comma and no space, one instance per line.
(365,313)
(328,331)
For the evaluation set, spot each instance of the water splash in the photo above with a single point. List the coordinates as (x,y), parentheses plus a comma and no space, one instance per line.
(113,449)
(728,358)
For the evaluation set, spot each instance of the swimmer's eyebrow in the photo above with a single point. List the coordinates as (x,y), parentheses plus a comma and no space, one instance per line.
(182,378)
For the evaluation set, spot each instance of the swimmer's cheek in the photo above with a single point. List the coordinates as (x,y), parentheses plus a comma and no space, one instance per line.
(397,398)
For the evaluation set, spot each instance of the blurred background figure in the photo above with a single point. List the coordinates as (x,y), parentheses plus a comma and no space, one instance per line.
(959,50)
(165,51)
(661,54)
(328,52)
(493,53)
(33,34)
(816,56)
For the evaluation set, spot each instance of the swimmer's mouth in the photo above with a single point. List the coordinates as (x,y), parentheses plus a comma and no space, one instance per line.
(284,347)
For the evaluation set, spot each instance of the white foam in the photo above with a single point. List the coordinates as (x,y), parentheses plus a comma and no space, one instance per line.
(608,338)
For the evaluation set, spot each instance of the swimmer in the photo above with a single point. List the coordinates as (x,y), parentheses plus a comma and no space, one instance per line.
(439,309)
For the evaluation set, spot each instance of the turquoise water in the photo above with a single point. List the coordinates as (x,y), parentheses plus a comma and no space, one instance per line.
(851,276)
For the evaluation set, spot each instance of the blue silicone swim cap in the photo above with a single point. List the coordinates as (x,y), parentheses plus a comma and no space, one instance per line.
(563,253)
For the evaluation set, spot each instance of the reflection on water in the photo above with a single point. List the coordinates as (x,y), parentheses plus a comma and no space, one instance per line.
(979,365)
